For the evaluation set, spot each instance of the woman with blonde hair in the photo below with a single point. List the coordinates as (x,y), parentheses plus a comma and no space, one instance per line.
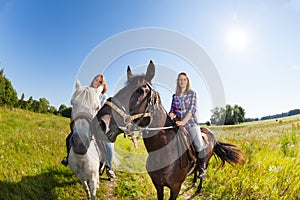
(183,108)
(99,83)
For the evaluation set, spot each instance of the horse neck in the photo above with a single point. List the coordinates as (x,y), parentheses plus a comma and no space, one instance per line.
(157,139)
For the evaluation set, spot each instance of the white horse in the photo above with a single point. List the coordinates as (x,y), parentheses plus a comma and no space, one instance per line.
(84,158)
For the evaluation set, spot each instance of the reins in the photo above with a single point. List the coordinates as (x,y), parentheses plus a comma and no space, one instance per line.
(130,126)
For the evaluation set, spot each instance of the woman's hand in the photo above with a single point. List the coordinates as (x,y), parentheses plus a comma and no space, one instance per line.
(185,119)
(172,115)
(180,123)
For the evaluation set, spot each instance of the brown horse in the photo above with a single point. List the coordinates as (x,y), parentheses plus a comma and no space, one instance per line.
(137,108)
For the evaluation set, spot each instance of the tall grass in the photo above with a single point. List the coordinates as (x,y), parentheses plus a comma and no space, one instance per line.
(32,146)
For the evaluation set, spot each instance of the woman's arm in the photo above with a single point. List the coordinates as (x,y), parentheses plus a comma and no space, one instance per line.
(172,110)
(185,119)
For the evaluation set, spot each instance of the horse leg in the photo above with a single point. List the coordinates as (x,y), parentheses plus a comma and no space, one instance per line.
(86,188)
(93,185)
(160,192)
(199,186)
(193,182)
(93,189)
(175,189)
(195,178)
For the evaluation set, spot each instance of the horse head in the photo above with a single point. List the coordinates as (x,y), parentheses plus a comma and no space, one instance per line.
(85,104)
(129,109)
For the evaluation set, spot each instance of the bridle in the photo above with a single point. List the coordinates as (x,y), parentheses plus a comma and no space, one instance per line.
(128,120)
(129,126)
(82,115)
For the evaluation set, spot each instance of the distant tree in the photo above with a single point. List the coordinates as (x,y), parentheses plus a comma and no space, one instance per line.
(67,112)
(251,119)
(218,116)
(21,102)
(64,111)
(228,115)
(8,95)
(29,103)
(61,108)
(286,114)
(294,112)
(35,106)
(22,97)
(238,114)
(44,105)
(53,110)
(229,120)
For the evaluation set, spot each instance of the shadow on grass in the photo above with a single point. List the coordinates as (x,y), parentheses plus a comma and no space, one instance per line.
(42,186)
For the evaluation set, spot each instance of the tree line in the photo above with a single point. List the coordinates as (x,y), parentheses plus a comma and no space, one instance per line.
(286,114)
(230,115)
(9,97)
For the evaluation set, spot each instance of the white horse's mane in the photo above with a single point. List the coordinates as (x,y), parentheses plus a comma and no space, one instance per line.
(85,97)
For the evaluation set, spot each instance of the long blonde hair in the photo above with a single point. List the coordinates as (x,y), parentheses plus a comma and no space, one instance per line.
(103,83)
(188,86)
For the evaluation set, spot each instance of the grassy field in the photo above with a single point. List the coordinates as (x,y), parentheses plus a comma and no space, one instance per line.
(32,146)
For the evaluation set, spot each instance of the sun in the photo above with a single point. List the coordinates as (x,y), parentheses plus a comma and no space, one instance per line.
(237,39)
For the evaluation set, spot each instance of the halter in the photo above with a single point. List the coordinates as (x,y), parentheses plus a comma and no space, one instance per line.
(83,115)
(129,126)
(127,118)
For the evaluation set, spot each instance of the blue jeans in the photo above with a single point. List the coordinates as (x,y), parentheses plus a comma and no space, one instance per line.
(109,157)
(197,138)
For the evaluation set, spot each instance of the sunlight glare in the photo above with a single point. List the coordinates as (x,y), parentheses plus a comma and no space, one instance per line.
(237,39)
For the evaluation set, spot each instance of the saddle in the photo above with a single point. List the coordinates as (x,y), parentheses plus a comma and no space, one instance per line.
(188,143)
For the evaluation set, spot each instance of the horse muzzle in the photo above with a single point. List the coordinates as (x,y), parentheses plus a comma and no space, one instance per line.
(101,131)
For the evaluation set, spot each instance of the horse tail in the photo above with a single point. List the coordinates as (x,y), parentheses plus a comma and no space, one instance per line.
(228,153)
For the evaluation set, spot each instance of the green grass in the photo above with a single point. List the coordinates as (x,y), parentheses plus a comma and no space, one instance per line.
(32,146)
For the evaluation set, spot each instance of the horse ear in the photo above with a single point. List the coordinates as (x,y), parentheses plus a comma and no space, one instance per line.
(150,71)
(129,73)
(77,85)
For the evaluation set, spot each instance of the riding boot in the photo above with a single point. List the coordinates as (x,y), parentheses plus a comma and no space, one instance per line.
(201,164)
(65,160)
(110,173)
(202,168)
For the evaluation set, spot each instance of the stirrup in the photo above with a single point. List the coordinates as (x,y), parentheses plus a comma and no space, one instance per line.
(202,173)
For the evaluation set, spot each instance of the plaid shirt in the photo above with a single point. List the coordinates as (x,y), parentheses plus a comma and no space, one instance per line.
(181,105)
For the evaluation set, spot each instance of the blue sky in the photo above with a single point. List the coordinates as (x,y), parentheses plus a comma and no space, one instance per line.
(254,45)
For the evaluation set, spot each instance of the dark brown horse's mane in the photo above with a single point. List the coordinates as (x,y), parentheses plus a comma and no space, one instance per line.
(137,79)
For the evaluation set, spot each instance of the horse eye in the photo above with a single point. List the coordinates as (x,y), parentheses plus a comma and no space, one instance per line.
(140,91)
